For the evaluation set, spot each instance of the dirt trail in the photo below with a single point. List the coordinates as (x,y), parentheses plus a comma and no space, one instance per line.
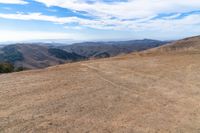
(103,77)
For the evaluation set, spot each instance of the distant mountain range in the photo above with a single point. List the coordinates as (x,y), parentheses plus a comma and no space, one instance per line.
(113,48)
(41,55)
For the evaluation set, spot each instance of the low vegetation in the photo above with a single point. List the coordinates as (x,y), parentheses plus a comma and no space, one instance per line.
(8,68)
(61,54)
(10,54)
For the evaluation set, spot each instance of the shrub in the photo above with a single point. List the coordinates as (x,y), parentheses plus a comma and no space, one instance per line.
(6,68)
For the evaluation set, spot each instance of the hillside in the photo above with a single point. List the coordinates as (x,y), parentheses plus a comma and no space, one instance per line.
(109,49)
(134,93)
(33,56)
(41,55)
(188,45)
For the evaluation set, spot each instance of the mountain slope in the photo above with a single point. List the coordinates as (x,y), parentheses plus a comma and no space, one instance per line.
(131,93)
(61,54)
(41,55)
(108,49)
(187,45)
(36,56)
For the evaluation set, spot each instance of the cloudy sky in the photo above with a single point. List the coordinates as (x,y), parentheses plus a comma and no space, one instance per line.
(98,19)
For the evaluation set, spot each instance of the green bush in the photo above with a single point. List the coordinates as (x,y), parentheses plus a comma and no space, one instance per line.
(6,68)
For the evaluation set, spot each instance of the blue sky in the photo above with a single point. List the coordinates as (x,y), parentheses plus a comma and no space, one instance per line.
(98,19)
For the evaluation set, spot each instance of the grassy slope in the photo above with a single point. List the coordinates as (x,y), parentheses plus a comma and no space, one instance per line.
(134,93)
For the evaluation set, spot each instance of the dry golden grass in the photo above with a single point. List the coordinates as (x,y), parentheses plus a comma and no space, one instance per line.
(127,94)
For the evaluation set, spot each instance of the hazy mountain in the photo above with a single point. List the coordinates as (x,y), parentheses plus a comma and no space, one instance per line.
(113,48)
(40,55)
(36,56)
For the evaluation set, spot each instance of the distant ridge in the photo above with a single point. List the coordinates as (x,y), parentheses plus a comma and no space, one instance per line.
(111,48)
(41,55)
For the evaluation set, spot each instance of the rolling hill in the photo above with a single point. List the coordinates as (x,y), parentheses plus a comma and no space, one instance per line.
(109,49)
(146,92)
(187,45)
(41,55)
(33,56)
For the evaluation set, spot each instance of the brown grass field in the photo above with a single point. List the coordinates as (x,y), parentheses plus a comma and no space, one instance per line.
(135,93)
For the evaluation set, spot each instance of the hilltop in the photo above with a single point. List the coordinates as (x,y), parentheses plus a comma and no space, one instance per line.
(112,48)
(188,45)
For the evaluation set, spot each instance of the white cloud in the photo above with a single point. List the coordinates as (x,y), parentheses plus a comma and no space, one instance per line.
(73,27)
(32,35)
(137,13)
(59,20)
(133,15)
(114,24)
(13,2)
(41,17)
(129,9)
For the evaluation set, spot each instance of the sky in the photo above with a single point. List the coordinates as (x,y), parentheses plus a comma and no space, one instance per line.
(22,20)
